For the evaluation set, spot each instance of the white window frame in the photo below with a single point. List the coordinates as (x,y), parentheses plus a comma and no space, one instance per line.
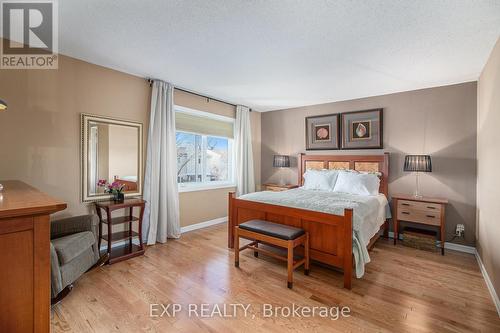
(204,185)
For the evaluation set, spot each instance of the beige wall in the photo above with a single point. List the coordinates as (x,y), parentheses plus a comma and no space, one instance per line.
(488,158)
(40,131)
(102,153)
(123,149)
(438,121)
(201,206)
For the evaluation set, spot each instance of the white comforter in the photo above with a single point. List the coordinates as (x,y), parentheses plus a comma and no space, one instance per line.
(369,213)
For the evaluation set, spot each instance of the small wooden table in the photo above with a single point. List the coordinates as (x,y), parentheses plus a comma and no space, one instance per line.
(428,211)
(129,249)
(278,187)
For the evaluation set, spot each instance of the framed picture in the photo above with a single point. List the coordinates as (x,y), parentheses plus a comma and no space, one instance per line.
(362,129)
(322,132)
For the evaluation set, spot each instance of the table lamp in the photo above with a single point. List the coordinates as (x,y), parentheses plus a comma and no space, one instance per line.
(281,161)
(3,105)
(417,163)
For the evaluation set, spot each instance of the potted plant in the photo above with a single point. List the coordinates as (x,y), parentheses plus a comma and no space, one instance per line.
(115,188)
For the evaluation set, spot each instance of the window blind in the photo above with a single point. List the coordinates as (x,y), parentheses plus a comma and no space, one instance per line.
(203,125)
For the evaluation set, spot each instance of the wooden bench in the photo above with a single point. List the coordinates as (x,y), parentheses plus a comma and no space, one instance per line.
(280,235)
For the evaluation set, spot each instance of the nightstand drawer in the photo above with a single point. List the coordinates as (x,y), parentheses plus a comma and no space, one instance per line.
(419,216)
(275,188)
(419,206)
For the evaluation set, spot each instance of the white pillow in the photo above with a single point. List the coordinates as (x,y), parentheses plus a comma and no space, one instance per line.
(357,183)
(323,180)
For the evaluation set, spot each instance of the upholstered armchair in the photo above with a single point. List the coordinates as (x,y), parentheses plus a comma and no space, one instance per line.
(73,250)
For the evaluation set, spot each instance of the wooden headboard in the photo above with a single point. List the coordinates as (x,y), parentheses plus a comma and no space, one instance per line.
(373,163)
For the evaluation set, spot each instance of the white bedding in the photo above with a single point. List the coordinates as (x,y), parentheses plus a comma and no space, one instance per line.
(368,230)
(369,213)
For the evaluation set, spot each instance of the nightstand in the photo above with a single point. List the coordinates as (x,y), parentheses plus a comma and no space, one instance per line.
(428,211)
(278,187)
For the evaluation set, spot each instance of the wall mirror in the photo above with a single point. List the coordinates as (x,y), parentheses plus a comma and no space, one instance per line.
(111,151)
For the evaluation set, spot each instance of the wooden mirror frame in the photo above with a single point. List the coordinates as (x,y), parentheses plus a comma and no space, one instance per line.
(85,120)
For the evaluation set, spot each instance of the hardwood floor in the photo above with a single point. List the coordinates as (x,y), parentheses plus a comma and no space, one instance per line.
(403,290)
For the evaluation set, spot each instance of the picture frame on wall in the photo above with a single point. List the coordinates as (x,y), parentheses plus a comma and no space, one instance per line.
(362,129)
(322,132)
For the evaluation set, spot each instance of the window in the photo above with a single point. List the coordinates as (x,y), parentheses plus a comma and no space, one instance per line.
(204,160)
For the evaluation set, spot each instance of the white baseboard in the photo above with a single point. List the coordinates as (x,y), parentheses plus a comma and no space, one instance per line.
(448,245)
(460,248)
(203,224)
(489,284)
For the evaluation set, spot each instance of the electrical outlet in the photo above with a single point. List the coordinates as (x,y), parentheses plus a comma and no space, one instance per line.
(460,229)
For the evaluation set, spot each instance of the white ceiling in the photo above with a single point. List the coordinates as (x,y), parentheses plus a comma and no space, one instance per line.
(278,54)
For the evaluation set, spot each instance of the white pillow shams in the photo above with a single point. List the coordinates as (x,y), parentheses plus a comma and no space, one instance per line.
(357,183)
(322,180)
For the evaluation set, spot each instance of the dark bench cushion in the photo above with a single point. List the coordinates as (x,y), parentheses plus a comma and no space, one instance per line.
(272,229)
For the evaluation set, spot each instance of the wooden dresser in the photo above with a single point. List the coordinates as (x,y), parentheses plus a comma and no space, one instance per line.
(25,258)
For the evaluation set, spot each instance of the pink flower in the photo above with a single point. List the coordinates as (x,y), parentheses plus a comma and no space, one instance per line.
(101,182)
(110,188)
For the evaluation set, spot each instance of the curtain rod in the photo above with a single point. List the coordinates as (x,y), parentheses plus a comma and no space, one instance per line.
(150,81)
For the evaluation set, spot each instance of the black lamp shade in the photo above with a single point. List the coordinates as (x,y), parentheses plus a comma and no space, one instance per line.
(418,163)
(281,161)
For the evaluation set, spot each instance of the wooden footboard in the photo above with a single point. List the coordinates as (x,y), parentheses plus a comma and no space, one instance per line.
(330,235)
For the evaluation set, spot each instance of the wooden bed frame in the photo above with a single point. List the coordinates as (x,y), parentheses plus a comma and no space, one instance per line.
(330,235)
(129,185)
